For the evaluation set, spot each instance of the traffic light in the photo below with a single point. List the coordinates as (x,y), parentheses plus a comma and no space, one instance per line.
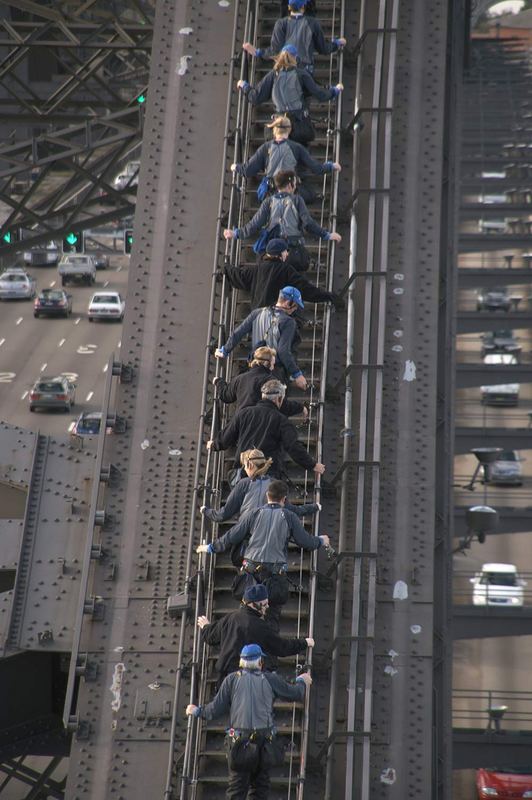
(73,242)
(10,236)
(128,240)
(141,98)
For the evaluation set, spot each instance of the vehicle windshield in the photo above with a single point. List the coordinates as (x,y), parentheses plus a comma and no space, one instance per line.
(510,770)
(504,334)
(11,277)
(498,579)
(51,294)
(105,298)
(75,260)
(507,455)
(50,386)
(90,425)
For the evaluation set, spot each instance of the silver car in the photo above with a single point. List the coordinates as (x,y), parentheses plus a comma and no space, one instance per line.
(42,255)
(53,392)
(506,471)
(16,284)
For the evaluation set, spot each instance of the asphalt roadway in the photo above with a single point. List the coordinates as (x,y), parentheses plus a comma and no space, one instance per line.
(32,347)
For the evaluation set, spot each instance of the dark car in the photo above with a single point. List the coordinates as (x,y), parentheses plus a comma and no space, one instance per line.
(53,392)
(87,424)
(494,300)
(502,341)
(53,303)
(101,260)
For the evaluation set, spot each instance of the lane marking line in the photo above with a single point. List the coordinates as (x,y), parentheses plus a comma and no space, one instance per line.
(105,368)
(106,284)
(89,397)
(71,427)
(19,320)
(77,321)
(26,393)
(2,342)
(52,284)
(44,366)
(61,343)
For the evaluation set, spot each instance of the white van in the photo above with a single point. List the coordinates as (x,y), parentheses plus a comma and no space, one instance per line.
(493,226)
(497,585)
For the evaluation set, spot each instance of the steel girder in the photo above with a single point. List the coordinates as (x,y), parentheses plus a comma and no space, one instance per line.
(476,747)
(80,114)
(78,163)
(40,782)
(99,55)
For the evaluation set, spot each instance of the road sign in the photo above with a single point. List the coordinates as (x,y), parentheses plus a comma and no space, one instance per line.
(73,242)
(10,237)
(128,240)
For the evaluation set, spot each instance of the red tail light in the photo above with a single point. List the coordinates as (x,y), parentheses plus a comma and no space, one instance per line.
(34,395)
(61,397)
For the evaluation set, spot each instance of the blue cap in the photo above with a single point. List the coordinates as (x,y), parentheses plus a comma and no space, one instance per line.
(276,246)
(256,593)
(293,294)
(297,5)
(251,651)
(289,48)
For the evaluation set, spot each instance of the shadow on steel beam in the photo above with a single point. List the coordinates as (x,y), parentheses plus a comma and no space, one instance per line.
(474,748)
(478,622)
(40,736)
(473,278)
(470,375)
(481,321)
(508,438)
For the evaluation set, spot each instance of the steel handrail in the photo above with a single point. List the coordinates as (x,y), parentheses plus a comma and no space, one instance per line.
(321,406)
(369,422)
(214,466)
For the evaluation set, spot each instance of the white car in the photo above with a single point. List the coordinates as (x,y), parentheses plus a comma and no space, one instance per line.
(502,394)
(498,585)
(499,175)
(106,305)
(129,177)
(492,199)
(493,226)
(16,284)
(74,267)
